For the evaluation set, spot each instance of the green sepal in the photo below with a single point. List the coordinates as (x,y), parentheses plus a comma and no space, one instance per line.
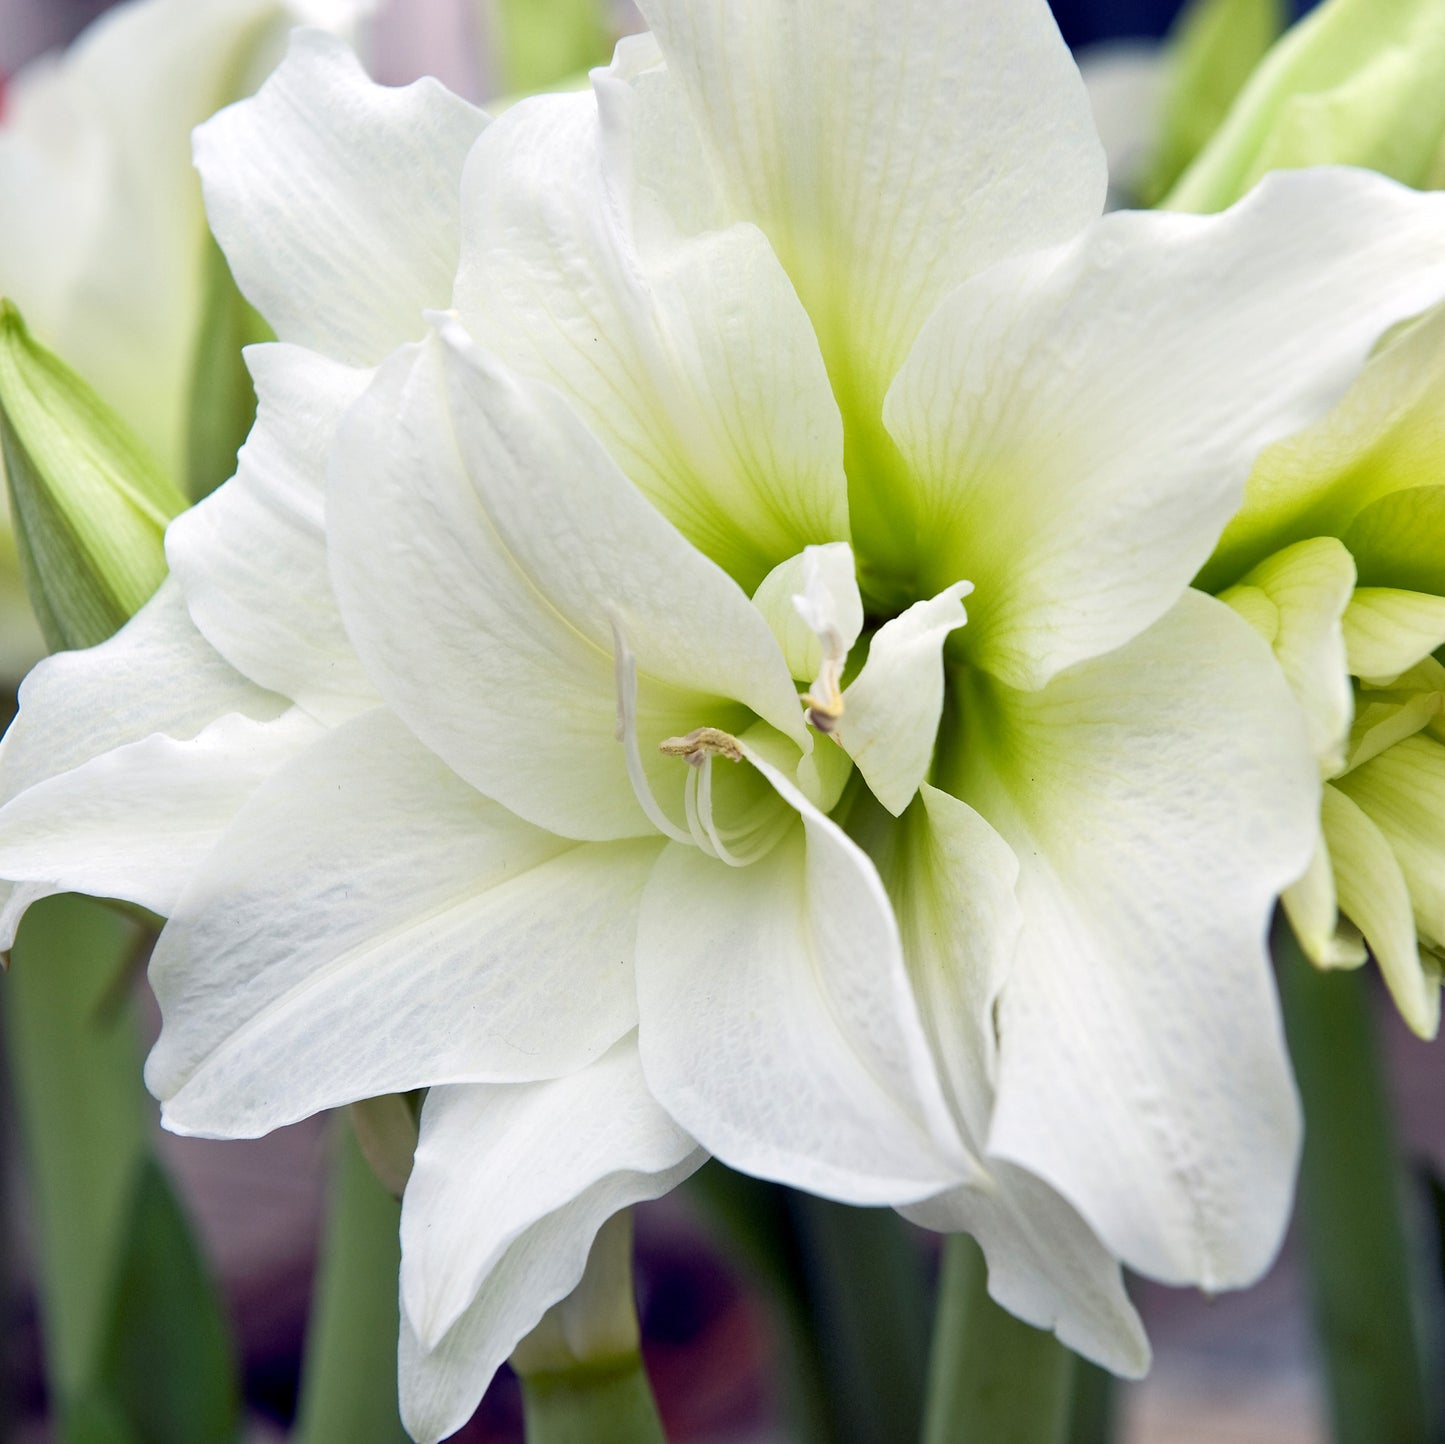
(90,506)
(1357,82)
(1213,49)
(223,400)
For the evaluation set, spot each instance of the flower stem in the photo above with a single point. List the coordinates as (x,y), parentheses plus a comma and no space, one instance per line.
(349,1380)
(1352,1208)
(992,1379)
(596,1404)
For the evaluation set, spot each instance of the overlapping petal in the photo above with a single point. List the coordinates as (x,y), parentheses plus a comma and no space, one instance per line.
(371,924)
(337,201)
(251,558)
(776,1021)
(1080,424)
(691,360)
(490,561)
(1141,964)
(509,1189)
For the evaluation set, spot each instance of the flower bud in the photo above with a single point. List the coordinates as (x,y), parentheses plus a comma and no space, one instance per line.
(90,506)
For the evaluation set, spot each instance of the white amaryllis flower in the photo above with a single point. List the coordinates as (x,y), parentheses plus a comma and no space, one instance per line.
(465,749)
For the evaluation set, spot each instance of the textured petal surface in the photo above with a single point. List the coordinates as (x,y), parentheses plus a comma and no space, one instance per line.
(887,152)
(1388,631)
(371,924)
(488,555)
(1081,424)
(337,201)
(777,1024)
(136,822)
(509,1189)
(251,558)
(1157,799)
(692,361)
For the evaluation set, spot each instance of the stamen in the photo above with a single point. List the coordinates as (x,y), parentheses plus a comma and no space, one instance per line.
(625,669)
(702,743)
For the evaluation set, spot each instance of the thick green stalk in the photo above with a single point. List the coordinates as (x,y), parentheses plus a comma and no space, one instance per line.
(603,1404)
(991,1378)
(1352,1208)
(349,1380)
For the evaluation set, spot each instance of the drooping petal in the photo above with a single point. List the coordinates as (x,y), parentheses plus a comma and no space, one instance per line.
(1402,793)
(692,361)
(1373,893)
(136,821)
(888,152)
(337,201)
(1296,600)
(251,558)
(493,1161)
(1312,906)
(488,556)
(1157,799)
(893,708)
(776,1021)
(370,924)
(1045,1264)
(952,880)
(1388,631)
(1080,424)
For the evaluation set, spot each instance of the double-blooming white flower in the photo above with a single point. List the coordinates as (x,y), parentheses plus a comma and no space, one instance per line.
(698,656)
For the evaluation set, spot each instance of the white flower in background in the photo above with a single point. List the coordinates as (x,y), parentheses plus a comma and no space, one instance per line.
(571,706)
(103,241)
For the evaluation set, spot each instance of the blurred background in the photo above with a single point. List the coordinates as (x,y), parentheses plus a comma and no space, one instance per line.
(1240,1369)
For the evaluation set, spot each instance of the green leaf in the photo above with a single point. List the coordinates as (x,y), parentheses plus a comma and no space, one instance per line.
(223,400)
(85,1120)
(544,42)
(1357,82)
(1214,48)
(348,1393)
(90,507)
(168,1359)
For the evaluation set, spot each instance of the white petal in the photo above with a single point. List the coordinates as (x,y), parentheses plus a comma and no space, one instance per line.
(952,879)
(337,201)
(136,821)
(1295,600)
(893,708)
(777,1025)
(493,1161)
(1158,799)
(887,151)
(157,674)
(1387,631)
(251,558)
(370,924)
(693,362)
(821,583)
(509,1190)
(1081,423)
(1373,893)
(1045,1264)
(484,548)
